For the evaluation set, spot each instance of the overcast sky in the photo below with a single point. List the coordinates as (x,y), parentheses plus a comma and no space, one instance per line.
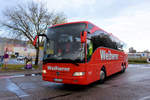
(129,20)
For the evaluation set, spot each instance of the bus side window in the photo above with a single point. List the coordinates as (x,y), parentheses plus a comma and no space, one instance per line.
(103,39)
(96,39)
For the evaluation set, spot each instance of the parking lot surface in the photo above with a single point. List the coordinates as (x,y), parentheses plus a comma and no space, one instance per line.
(134,84)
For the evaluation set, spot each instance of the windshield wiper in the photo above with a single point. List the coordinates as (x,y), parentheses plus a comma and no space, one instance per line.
(75,63)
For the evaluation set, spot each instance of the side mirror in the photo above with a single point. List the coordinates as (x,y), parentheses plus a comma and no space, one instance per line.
(35,40)
(37,36)
(83,36)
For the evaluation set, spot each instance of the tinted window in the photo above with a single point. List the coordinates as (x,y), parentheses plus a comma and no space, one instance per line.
(67,29)
(103,39)
(90,26)
(64,44)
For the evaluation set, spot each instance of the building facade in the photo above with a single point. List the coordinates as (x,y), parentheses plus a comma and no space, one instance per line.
(16,47)
(138,55)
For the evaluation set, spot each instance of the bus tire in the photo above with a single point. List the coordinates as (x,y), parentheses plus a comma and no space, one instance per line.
(102,76)
(123,68)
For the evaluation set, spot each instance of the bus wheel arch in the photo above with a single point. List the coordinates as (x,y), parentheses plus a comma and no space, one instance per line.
(102,74)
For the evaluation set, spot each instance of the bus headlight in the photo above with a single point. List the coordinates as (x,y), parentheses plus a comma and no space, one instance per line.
(44,71)
(78,73)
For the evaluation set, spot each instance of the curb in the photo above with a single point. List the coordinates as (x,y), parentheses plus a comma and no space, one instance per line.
(21,72)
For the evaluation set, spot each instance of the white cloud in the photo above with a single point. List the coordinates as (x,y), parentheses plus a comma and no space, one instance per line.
(129,19)
(132,26)
(67,4)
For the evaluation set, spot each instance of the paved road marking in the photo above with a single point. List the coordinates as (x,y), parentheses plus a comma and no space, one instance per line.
(15,89)
(15,76)
(4,77)
(145,98)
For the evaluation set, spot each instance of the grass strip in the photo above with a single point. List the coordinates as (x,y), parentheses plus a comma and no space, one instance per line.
(138,61)
(15,67)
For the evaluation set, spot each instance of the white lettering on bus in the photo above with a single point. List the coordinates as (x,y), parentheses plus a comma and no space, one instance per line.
(108,56)
(58,68)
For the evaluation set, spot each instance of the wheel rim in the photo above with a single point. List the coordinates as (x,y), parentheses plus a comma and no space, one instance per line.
(102,75)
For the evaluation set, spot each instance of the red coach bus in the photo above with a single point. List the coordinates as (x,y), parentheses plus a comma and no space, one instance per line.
(81,53)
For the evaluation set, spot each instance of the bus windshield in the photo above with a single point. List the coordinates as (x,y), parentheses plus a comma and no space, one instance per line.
(64,44)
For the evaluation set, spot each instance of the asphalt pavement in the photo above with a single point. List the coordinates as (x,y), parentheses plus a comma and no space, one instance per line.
(134,84)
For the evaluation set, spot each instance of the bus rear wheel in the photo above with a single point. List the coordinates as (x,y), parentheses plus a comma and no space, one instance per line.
(102,76)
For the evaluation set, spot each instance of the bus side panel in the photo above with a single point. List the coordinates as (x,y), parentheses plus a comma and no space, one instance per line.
(90,73)
(111,66)
(93,68)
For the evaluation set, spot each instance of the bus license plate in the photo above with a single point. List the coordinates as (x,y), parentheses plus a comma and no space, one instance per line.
(58,80)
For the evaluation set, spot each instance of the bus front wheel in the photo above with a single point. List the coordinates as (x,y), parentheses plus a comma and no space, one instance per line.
(102,76)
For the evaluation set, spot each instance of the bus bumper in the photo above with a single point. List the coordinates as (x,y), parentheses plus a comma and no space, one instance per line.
(70,80)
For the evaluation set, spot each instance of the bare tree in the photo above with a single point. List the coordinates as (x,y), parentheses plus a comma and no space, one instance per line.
(29,20)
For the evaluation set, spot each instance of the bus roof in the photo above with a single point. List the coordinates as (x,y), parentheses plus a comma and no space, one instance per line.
(87,22)
(69,23)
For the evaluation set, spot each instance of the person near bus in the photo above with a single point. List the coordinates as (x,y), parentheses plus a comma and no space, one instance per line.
(89,50)
(6,58)
(28,62)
